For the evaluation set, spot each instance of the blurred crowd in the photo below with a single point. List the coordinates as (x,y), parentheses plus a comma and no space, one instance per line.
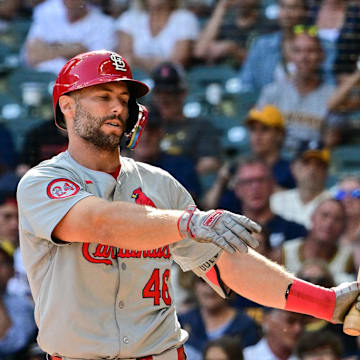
(254,108)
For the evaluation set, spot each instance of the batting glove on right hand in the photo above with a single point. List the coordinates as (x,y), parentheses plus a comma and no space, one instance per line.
(346,294)
(227,230)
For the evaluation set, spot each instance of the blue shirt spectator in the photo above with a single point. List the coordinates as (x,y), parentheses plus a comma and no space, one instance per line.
(17,324)
(23,328)
(259,66)
(241,325)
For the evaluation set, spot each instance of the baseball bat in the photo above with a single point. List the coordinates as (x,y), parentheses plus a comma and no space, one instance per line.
(352,319)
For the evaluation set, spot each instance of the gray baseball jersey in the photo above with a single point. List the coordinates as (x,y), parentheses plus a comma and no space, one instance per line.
(94,301)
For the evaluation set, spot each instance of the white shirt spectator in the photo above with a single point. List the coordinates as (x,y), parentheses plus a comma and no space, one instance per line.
(262,351)
(338,265)
(47,8)
(289,205)
(182,25)
(95,31)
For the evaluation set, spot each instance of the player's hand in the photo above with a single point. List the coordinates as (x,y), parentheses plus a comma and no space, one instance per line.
(227,230)
(346,294)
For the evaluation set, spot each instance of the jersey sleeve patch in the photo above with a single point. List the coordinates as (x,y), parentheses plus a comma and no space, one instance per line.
(62,188)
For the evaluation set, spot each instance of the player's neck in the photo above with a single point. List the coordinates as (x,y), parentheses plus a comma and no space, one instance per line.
(94,158)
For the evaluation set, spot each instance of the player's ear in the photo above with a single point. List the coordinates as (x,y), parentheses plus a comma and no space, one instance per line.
(67,105)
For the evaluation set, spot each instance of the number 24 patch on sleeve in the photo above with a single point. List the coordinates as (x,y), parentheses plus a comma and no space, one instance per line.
(62,188)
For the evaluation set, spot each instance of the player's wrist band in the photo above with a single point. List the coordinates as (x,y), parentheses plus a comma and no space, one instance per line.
(184,220)
(306,298)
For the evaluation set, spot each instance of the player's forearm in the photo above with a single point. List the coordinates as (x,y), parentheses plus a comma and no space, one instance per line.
(141,227)
(118,223)
(255,277)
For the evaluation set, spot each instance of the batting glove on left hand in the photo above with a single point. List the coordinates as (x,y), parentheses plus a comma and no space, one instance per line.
(227,230)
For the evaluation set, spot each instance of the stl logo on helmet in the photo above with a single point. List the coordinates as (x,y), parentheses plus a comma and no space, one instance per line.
(118,62)
(62,188)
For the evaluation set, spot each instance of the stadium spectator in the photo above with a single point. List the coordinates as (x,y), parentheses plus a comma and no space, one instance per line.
(266,129)
(193,137)
(10,21)
(224,348)
(48,47)
(17,325)
(214,317)
(9,233)
(322,242)
(303,97)
(310,169)
(229,31)
(348,192)
(253,185)
(321,345)
(115,8)
(347,33)
(221,193)
(159,31)
(35,353)
(268,57)
(330,17)
(41,143)
(336,130)
(281,330)
(8,159)
(346,95)
(9,240)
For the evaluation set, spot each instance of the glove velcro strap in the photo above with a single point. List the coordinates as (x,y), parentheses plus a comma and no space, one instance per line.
(310,299)
(184,221)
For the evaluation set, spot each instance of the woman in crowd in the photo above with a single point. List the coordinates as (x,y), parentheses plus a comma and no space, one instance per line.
(159,31)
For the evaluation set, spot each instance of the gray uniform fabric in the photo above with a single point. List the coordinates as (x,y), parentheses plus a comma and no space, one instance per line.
(90,301)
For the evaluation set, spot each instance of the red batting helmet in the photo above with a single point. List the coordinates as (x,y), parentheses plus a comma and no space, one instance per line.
(98,67)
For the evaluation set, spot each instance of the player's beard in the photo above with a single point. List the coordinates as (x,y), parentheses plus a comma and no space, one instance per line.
(88,127)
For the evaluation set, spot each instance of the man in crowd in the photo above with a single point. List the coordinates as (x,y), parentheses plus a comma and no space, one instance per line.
(310,169)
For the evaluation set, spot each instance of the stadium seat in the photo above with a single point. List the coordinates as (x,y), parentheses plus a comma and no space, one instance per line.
(22,75)
(201,76)
(345,159)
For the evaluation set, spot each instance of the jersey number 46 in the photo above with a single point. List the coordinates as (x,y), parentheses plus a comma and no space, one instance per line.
(157,287)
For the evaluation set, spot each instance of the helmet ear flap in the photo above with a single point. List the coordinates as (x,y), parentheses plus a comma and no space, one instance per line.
(138,115)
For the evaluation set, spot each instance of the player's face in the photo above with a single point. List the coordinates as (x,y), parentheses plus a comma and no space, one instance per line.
(100,114)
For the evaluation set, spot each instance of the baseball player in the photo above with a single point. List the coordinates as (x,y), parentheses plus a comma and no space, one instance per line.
(98,233)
